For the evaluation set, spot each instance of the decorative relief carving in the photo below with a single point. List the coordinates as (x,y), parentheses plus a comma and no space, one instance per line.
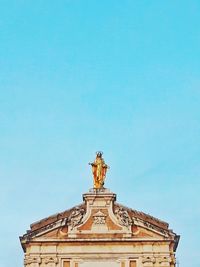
(149,226)
(153,227)
(76,217)
(164,259)
(148,260)
(99,218)
(51,261)
(123,217)
(32,261)
(50,226)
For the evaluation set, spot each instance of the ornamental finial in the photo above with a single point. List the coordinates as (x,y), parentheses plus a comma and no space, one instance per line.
(99,169)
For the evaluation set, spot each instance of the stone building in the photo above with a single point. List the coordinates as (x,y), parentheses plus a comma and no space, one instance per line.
(99,233)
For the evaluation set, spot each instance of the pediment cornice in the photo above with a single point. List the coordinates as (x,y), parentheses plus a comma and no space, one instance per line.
(99,218)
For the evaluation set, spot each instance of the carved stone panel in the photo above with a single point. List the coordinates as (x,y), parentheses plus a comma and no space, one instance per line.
(76,217)
(123,217)
(99,222)
(148,261)
(51,261)
(99,218)
(164,261)
(31,261)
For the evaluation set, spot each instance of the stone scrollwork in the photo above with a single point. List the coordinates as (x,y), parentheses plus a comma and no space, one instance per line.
(164,259)
(76,217)
(123,217)
(148,260)
(32,261)
(51,261)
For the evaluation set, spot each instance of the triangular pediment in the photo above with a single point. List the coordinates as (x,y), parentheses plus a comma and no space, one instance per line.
(99,217)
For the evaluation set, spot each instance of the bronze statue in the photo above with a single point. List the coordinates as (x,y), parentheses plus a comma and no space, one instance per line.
(99,169)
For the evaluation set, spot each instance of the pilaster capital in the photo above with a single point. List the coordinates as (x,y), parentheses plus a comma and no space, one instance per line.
(50,260)
(148,260)
(32,259)
(164,259)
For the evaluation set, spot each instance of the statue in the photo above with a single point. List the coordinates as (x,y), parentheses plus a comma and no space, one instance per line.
(99,169)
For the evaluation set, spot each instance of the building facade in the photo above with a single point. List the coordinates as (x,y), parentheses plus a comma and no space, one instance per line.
(99,233)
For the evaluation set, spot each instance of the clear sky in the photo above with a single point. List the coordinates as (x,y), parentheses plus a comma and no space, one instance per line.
(77,76)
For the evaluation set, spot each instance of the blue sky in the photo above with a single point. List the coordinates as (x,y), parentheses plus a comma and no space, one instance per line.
(117,76)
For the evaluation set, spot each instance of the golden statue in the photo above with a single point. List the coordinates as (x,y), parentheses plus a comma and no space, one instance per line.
(99,169)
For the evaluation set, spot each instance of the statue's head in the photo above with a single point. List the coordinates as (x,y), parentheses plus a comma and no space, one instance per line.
(99,154)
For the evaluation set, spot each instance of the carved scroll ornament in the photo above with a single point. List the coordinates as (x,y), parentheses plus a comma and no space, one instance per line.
(164,259)
(48,260)
(148,260)
(32,260)
(76,217)
(123,217)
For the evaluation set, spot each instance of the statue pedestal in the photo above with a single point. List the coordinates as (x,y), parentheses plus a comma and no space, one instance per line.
(101,197)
